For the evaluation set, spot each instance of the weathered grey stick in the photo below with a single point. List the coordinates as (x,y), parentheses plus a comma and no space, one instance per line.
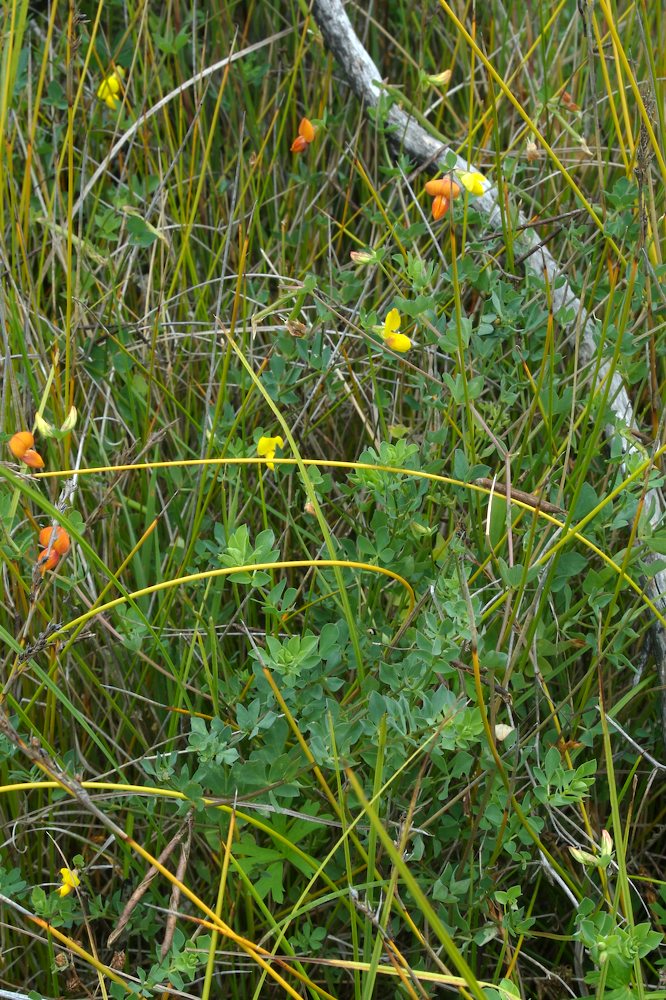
(364,79)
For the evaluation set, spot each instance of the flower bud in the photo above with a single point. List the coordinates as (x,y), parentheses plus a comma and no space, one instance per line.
(42,426)
(440,79)
(69,422)
(362,256)
(583,857)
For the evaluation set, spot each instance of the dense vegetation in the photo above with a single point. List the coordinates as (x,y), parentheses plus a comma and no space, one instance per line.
(421,745)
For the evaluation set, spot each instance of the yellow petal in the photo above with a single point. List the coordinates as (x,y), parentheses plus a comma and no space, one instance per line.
(398,342)
(70,881)
(472,181)
(110,88)
(391,323)
(266,448)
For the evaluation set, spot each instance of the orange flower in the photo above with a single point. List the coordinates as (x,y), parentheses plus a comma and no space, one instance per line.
(22,447)
(47,560)
(442,190)
(306,133)
(61,542)
(20,443)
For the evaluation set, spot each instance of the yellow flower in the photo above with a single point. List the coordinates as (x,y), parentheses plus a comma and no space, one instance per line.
(70,881)
(391,333)
(266,448)
(111,87)
(473,181)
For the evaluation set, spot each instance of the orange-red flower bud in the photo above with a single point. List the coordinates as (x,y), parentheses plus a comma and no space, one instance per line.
(61,542)
(47,560)
(33,459)
(440,206)
(299,144)
(20,443)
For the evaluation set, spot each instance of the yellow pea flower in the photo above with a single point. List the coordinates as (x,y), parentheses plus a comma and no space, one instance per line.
(110,88)
(266,448)
(70,881)
(391,333)
(472,181)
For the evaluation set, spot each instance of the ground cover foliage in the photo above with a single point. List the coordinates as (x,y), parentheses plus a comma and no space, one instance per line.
(420,747)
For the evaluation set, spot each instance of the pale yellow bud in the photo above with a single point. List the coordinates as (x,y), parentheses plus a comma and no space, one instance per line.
(42,426)
(69,422)
(440,79)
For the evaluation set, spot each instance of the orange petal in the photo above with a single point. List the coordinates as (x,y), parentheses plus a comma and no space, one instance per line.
(440,206)
(61,541)
(453,189)
(299,144)
(443,186)
(306,130)
(436,187)
(20,442)
(47,560)
(33,459)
